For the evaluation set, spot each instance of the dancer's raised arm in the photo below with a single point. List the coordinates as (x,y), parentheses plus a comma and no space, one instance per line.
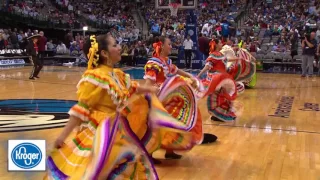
(204,70)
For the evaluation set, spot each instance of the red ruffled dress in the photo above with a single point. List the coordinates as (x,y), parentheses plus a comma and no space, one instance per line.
(243,70)
(220,88)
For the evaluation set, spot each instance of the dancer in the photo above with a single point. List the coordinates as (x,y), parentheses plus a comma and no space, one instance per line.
(241,67)
(33,51)
(243,53)
(157,70)
(219,85)
(114,138)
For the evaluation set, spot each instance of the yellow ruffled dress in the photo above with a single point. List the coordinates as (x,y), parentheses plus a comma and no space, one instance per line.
(109,144)
(100,92)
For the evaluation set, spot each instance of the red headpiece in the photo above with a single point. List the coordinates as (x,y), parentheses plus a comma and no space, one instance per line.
(157,48)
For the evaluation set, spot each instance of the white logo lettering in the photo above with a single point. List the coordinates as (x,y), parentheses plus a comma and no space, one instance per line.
(21,153)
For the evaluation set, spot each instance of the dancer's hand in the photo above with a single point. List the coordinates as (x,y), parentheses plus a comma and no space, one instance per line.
(194,83)
(59,142)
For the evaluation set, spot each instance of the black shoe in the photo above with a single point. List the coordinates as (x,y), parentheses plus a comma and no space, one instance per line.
(155,161)
(172,155)
(37,77)
(31,78)
(216,119)
(209,138)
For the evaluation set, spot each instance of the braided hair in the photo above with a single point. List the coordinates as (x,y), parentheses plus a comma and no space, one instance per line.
(92,48)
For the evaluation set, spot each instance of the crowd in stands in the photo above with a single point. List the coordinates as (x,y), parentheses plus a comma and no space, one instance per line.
(113,13)
(280,27)
(277,27)
(211,16)
(39,10)
(14,39)
(75,14)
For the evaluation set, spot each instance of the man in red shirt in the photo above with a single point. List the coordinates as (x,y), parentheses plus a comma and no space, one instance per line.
(42,45)
(203,45)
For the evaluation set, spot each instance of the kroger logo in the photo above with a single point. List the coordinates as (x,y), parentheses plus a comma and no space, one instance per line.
(26,155)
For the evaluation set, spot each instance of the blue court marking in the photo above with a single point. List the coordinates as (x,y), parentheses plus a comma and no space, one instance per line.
(138,73)
(37,105)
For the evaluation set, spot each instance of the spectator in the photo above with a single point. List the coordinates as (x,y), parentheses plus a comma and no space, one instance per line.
(309,47)
(294,42)
(74,49)
(207,29)
(2,45)
(188,44)
(203,45)
(318,34)
(14,40)
(61,48)
(155,29)
(33,51)
(50,45)
(42,45)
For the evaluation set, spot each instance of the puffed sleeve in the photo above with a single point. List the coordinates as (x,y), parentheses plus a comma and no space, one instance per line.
(130,84)
(152,70)
(210,62)
(133,87)
(173,69)
(88,96)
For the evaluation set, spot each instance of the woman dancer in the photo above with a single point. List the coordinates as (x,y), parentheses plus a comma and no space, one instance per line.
(108,146)
(242,67)
(157,70)
(219,85)
(243,53)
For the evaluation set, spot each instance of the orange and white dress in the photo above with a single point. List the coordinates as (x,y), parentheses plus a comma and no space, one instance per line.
(176,95)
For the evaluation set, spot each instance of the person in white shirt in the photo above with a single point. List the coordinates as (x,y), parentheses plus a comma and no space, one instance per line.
(207,29)
(61,48)
(188,44)
(318,34)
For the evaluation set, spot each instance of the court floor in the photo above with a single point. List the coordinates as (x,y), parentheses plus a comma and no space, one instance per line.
(277,134)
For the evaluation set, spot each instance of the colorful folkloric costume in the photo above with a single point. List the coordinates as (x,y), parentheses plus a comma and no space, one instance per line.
(118,130)
(176,94)
(242,69)
(102,130)
(244,54)
(219,86)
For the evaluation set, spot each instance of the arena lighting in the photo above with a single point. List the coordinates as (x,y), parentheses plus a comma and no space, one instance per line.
(84,28)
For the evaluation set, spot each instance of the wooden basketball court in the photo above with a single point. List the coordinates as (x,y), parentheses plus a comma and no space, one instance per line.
(277,134)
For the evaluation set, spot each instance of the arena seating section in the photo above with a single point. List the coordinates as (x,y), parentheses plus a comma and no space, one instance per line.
(265,27)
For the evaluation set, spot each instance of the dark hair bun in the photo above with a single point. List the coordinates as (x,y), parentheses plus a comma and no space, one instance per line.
(156,39)
(86,46)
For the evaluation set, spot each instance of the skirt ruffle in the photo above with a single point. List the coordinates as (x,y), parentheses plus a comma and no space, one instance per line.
(179,99)
(240,87)
(251,83)
(116,153)
(242,70)
(215,81)
(220,106)
(221,91)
